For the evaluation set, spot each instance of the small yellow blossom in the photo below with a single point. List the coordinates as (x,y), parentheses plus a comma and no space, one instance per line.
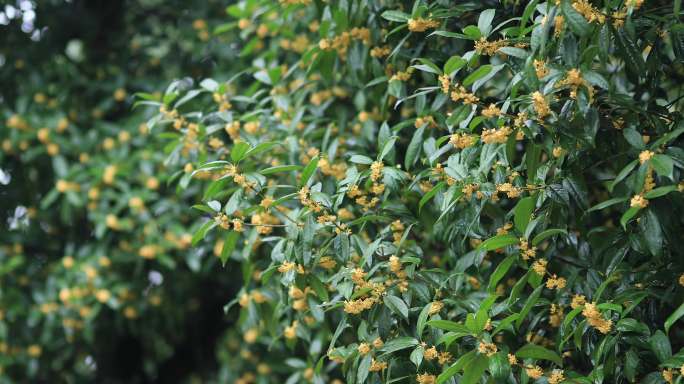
(435,307)
(541,107)
(534,372)
(638,201)
(512,360)
(539,267)
(645,156)
(488,349)
(426,378)
(556,377)
(421,25)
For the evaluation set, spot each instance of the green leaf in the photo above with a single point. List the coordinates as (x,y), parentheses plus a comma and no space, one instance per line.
(503,324)
(428,66)
(531,301)
(456,367)
(533,351)
(484,22)
(663,165)
(652,231)
(361,159)
(202,231)
(398,16)
(280,168)
(430,194)
(448,325)
(414,147)
(416,356)
(454,64)
(398,344)
(484,79)
(448,338)
(522,213)
(500,272)
(660,345)
(630,52)
(472,32)
(628,215)
(364,368)
(477,74)
(515,52)
(575,20)
(229,243)
(499,366)
(319,288)
(263,147)
(474,370)
(422,318)
(608,203)
(676,315)
(389,145)
(204,208)
(239,151)
(498,241)
(548,233)
(632,325)
(397,305)
(660,191)
(308,171)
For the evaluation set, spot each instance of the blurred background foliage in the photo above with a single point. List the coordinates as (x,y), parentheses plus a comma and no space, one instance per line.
(94,241)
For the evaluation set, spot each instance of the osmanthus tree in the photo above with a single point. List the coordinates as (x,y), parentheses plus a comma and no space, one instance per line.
(444,192)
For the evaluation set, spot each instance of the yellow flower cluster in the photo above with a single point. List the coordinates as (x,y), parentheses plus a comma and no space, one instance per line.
(380,52)
(341,42)
(539,267)
(541,106)
(645,156)
(491,111)
(489,48)
(437,306)
(558,23)
(445,83)
(638,201)
(574,80)
(357,306)
(421,24)
(377,366)
(540,68)
(426,378)
(488,349)
(288,266)
(555,315)
(509,189)
(460,93)
(429,120)
(589,12)
(555,282)
(264,222)
(376,170)
(403,76)
(462,140)
(496,136)
(595,318)
(397,228)
(396,267)
(534,372)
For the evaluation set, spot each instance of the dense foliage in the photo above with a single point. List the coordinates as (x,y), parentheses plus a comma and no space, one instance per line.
(430,192)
